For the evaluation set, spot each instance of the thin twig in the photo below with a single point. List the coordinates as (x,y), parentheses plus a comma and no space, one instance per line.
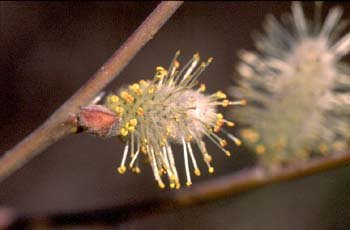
(53,128)
(204,192)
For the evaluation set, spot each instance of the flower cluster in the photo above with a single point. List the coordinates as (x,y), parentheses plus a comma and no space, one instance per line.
(297,87)
(151,115)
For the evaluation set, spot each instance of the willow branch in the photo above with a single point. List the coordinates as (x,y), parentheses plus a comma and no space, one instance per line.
(54,127)
(218,188)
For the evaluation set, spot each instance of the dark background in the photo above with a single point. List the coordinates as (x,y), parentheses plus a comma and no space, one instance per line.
(48,50)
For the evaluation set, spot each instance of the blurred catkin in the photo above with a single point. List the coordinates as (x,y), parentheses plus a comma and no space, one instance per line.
(297,88)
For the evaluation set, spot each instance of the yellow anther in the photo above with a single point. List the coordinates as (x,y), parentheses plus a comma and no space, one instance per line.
(243,102)
(202,88)
(176,64)
(161,184)
(230,123)
(133,122)
(134,86)
(131,128)
(188,183)
(225,103)
(339,146)
(217,129)
(250,135)
(207,158)
(144,141)
(220,95)
(143,82)
(227,153)
(121,169)
(152,89)
(219,116)
(210,59)
(136,170)
(161,143)
(119,110)
(143,149)
(127,97)
(238,142)
(140,111)
(189,138)
(123,132)
(160,68)
(223,143)
(196,56)
(220,122)
(172,185)
(178,186)
(211,169)
(114,98)
(197,172)
(323,148)
(168,131)
(260,149)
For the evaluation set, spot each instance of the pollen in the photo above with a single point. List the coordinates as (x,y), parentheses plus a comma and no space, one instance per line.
(167,110)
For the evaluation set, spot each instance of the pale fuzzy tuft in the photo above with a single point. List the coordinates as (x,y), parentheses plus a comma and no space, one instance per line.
(297,88)
(168,109)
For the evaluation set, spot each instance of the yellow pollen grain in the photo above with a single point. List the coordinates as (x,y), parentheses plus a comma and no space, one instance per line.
(323,148)
(220,95)
(217,129)
(189,138)
(227,153)
(339,146)
(207,158)
(136,170)
(243,102)
(219,116)
(260,149)
(152,90)
(140,111)
(197,172)
(161,185)
(127,97)
(188,183)
(131,128)
(133,122)
(114,98)
(119,110)
(121,169)
(211,169)
(123,132)
(168,131)
(223,143)
(250,135)
(172,185)
(225,103)
(220,122)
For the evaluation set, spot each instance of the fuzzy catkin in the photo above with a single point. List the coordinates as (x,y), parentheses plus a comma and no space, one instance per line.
(297,88)
(151,115)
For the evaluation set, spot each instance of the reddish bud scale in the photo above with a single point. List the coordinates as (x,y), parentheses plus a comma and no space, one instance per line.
(98,120)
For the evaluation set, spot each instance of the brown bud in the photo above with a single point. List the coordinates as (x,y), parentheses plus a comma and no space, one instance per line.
(98,120)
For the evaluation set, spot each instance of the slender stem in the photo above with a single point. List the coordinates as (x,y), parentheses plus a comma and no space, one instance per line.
(53,128)
(204,192)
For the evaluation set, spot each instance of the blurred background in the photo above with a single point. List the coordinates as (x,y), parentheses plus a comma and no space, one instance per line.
(48,50)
